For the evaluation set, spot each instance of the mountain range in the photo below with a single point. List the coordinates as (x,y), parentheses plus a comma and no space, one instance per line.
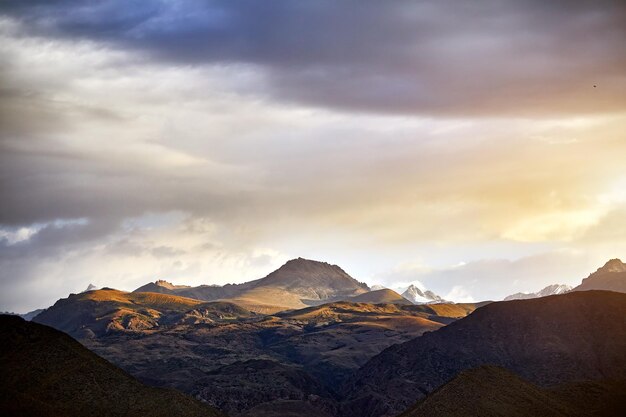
(208,349)
(352,351)
(297,284)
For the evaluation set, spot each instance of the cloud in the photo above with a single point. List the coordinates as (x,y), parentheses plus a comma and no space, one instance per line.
(458,294)
(485,58)
(494,279)
(204,141)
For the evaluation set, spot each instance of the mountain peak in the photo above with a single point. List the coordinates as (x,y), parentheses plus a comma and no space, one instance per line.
(302,264)
(610,277)
(163,283)
(314,279)
(91,287)
(613,265)
(417,295)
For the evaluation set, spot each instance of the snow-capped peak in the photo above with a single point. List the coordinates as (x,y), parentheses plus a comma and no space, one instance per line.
(553,289)
(377,287)
(418,296)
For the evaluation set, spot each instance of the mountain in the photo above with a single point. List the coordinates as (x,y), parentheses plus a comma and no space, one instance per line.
(240,360)
(162,287)
(44,372)
(490,391)
(377,287)
(94,313)
(549,340)
(383,296)
(31,314)
(418,296)
(297,284)
(611,277)
(553,289)
(90,287)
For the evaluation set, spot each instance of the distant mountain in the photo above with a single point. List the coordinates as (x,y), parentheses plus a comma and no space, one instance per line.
(297,284)
(91,287)
(554,289)
(44,372)
(383,296)
(377,287)
(490,391)
(549,340)
(32,314)
(162,287)
(611,277)
(417,295)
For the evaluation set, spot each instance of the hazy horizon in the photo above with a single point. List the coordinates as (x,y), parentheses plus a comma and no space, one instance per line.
(478,149)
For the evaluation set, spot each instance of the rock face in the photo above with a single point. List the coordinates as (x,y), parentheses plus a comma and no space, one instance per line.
(44,372)
(550,340)
(297,284)
(490,391)
(418,296)
(611,277)
(554,289)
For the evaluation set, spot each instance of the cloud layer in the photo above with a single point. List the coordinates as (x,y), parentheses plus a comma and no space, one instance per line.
(207,142)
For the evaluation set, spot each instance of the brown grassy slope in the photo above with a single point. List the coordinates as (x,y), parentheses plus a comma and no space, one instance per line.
(490,391)
(384,296)
(96,312)
(547,340)
(44,372)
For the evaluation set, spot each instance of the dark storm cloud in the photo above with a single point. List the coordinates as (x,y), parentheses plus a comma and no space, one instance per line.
(487,57)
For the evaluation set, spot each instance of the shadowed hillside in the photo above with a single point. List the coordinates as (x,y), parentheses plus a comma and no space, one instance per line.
(611,277)
(44,372)
(490,391)
(580,335)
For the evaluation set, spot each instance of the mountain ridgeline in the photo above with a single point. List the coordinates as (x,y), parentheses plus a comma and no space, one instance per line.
(308,340)
(297,284)
(549,340)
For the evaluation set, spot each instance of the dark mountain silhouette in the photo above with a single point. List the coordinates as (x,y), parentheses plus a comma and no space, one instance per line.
(550,340)
(44,372)
(490,391)
(611,277)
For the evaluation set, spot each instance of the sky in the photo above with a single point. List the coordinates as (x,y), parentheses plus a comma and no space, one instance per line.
(476,148)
